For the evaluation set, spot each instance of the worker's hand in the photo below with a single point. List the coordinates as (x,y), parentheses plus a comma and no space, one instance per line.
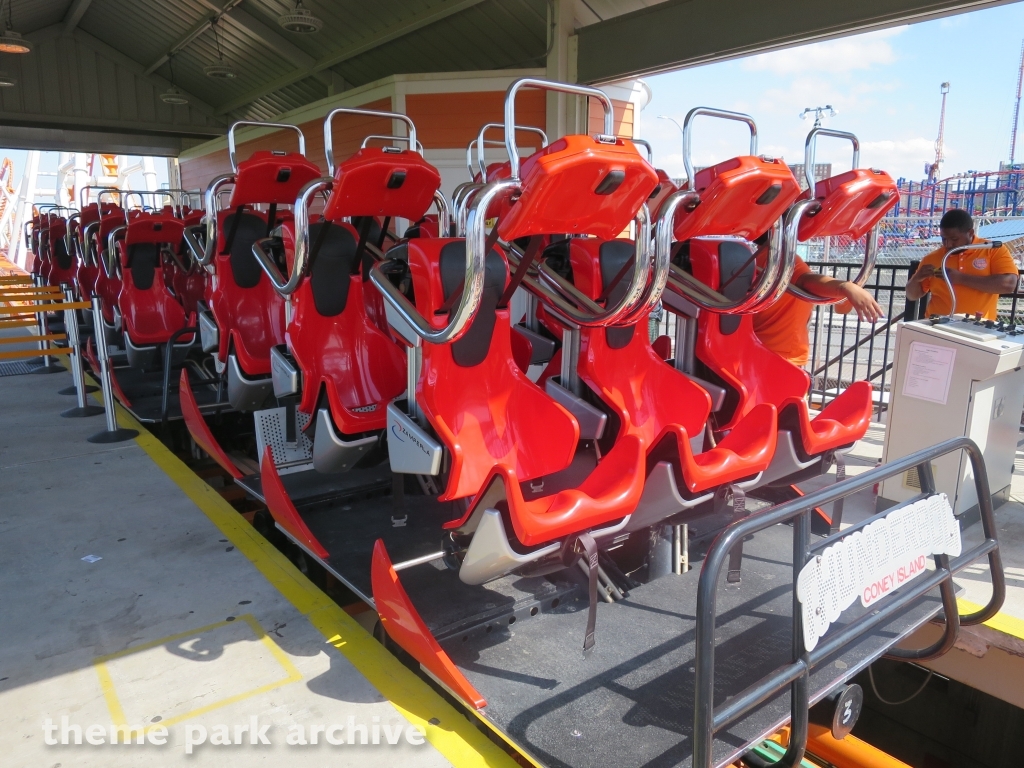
(923,273)
(955,276)
(862,302)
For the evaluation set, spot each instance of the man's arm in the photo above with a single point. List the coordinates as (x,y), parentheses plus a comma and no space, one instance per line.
(831,288)
(914,288)
(1004,283)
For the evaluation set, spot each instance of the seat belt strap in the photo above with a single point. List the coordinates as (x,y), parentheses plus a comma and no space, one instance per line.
(532,249)
(233,230)
(271,218)
(364,234)
(321,236)
(585,541)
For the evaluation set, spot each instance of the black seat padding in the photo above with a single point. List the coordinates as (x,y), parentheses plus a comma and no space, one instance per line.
(472,348)
(246,269)
(331,268)
(614,255)
(734,260)
(142,261)
(60,253)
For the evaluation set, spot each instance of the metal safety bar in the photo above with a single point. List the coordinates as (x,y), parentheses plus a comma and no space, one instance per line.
(723,114)
(256,124)
(810,145)
(871,245)
(709,719)
(88,187)
(329,137)
(549,85)
(383,137)
(481,144)
(84,408)
(646,145)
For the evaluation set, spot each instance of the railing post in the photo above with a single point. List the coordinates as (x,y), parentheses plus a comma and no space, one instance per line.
(113,433)
(75,342)
(71,319)
(48,365)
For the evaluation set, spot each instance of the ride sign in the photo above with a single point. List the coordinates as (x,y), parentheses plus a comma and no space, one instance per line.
(874,561)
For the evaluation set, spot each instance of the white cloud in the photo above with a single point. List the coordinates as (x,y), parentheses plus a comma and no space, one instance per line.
(900,158)
(832,56)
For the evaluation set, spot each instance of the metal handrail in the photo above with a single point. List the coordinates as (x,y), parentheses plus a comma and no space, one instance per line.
(709,719)
(300,261)
(549,85)
(870,256)
(205,255)
(473,280)
(279,126)
(329,138)
(723,114)
(809,148)
(481,163)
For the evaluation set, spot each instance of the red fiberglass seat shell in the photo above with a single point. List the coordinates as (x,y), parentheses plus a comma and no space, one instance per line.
(482,406)
(150,313)
(851,204)
(728,346)
(743,196)
(654,401)
(335,341)
(247,309)
(338,348)
(63,264)
(108,287)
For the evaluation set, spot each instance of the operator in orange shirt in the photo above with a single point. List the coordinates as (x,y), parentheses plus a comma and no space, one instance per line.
(978,277)
(783,326)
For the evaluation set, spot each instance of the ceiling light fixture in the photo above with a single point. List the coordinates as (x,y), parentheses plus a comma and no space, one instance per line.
(11,41)
(300,21)
(172,95)
(220,70)
(6,80)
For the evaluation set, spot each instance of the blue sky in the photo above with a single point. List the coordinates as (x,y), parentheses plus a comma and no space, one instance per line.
(884,85)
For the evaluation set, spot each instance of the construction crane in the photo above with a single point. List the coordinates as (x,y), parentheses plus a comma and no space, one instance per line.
(1016,106)
(932,169)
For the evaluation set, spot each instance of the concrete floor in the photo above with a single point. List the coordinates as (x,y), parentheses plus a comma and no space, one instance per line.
(174,624)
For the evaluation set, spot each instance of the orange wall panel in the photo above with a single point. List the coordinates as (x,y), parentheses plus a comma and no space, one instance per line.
(348,133)
(452,120)
(623,118)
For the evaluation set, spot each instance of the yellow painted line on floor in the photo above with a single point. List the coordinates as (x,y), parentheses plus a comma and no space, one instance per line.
(446,728)
(1001,622)
(114,703)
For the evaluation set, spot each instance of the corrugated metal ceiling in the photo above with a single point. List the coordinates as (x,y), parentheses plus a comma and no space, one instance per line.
(361,41)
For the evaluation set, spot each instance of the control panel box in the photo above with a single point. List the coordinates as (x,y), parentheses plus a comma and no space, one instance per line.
(950,379)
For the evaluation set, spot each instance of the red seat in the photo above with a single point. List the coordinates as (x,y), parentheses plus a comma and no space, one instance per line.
(727,345)
(150,313)
(652,400)
(482,406)
(577,184)
(743,196)
(61,264)
(247,309)
(108,287)
(851,204)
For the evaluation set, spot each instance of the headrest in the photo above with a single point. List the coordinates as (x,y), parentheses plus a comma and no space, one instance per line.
(379,181)
(272,177)
(154,228)
(744,196)
(58,228)
(109,220)
(580,185)
(851,204)
(425,265)
(90,214)
(596,263)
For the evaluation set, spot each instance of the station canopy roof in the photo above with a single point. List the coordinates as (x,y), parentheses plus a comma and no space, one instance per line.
(98,68)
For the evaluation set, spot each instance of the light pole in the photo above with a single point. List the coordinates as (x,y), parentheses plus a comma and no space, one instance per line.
(677,125)
(819,113)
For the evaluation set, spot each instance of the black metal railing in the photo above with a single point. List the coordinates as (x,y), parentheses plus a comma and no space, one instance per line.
(709,719)
(844,349)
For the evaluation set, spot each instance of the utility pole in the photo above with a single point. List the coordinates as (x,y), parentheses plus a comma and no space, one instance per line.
(933,169)
(1016,106)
